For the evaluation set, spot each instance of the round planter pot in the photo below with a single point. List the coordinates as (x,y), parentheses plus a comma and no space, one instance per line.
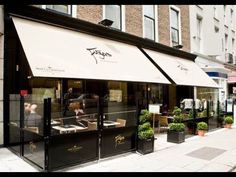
(201,132)
(228,125)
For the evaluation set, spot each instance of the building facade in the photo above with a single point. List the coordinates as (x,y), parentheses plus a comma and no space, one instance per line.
(212,37)
(167,25)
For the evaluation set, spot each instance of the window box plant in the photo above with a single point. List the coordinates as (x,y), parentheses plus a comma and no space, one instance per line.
(176,132)
(145,133)
(228,120)
(202,127)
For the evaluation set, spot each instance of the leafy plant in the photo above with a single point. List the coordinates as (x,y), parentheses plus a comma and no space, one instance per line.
(178,127)
(190,115)
(144,129)
(202,126)
(177,111)
(177,124)
(228,120)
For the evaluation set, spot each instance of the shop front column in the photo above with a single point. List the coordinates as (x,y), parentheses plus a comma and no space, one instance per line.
(194,93)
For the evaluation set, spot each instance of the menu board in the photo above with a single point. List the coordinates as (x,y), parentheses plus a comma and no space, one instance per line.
(154,108)
(229,105)
(115,95)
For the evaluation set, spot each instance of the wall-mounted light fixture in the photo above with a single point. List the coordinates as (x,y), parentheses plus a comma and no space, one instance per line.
(179,46)
(106,22)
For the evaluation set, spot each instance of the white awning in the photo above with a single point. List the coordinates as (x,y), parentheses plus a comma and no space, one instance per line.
(57,52)
(182,71)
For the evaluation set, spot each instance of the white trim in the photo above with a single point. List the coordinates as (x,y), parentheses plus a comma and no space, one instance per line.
(44,6)
(143,21)
(179,19)
(156,23)
(74,11)
(123,18)
(103,12)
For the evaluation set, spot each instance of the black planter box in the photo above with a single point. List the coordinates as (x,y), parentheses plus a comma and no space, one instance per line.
(146,146)
(175,137)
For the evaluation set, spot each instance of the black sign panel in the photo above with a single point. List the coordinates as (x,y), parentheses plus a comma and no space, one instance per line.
(69,149)
(117,140)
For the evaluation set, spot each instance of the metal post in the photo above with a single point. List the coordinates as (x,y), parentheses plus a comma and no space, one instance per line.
(208,112)
(47,132)
(194,117)
(22,125)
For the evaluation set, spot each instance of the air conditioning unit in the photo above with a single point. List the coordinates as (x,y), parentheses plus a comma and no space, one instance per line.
(229,58)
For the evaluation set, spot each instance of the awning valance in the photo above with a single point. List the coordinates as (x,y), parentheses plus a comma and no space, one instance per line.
(182,71)
(57,52)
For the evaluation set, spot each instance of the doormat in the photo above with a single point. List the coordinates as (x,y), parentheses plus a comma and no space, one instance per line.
(206,153)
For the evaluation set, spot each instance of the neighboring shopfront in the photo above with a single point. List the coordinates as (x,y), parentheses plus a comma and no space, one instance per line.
(86,90)
(185,75)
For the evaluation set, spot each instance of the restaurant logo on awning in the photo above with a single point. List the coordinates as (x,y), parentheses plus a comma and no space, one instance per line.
(99,55)
(182,67)
(50,70)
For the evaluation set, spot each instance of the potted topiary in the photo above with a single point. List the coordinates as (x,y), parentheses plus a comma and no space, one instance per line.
(228,120)
(176,131)
(145,133)
(202,127)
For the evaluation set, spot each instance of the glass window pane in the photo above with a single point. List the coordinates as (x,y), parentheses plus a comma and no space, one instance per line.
(59,8)
(148,10)
(199,27)
(120,104)
(113,12)
(174,35)
(174,19)
(149,28)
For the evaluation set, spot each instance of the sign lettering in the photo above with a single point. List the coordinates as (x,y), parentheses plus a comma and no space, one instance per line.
(98,53)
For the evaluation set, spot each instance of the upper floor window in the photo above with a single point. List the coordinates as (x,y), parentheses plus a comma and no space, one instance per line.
(215,13)
(216,28)
(199,27)
(233,44)
(224,10)
(174,25)
(114,13)
(226,42)
(231,15)
(66,9)
(149,21)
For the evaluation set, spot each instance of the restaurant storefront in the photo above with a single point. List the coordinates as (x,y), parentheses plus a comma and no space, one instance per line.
(84,98)
(187,78)
(84,91)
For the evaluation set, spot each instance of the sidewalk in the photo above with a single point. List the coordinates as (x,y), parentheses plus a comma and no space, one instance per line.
(216,152)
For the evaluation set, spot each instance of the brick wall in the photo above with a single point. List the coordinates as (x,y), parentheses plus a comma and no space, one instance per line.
(91,13)
(133,20)
(185,28)
(164,25)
